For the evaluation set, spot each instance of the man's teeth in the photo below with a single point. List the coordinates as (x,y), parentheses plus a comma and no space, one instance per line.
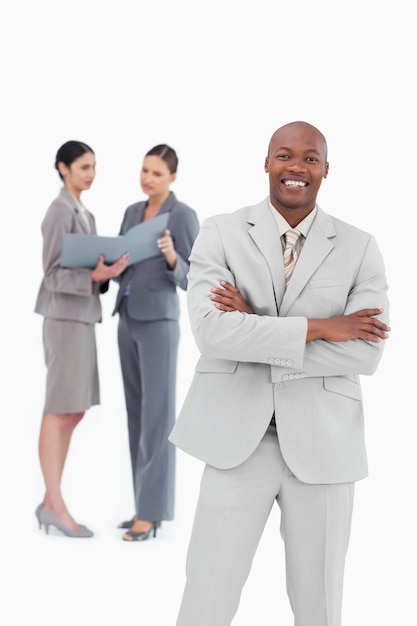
(294,183)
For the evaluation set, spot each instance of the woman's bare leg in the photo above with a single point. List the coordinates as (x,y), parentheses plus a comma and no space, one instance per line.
(54,440)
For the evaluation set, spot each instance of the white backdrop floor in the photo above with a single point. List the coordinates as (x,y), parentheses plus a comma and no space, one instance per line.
(57,581)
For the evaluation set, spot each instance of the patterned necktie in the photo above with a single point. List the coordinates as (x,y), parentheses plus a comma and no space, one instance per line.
(290,253)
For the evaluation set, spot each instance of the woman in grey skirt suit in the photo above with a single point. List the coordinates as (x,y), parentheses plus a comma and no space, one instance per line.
(148,336)
(69,301)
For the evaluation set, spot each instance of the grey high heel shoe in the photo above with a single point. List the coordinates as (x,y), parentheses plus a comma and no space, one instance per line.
(46,518)
(38,512)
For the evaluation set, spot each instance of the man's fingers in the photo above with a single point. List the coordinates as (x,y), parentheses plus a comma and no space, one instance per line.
(368,312)
(373,323)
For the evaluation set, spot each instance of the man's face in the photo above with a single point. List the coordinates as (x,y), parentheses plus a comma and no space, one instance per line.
(296,164)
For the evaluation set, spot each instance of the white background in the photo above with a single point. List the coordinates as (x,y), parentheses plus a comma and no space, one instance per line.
(214,80)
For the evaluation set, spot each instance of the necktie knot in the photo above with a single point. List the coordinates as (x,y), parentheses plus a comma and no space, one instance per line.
(290,252)
(291,237)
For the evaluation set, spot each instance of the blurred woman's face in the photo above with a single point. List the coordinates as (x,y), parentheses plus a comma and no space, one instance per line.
(155,176)
(80,174)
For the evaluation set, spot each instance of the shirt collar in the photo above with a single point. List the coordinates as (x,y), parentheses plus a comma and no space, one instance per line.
(304,226)
(80,205)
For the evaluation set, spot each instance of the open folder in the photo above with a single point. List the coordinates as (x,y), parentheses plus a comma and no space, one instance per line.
(140,242)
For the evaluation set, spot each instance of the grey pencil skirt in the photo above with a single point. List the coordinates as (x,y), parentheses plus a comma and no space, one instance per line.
(72,384)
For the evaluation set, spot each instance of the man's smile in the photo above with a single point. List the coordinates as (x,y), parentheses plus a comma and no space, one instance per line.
(295,183)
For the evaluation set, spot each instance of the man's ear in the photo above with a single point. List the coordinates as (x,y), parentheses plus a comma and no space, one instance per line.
(326,170)
(266,165)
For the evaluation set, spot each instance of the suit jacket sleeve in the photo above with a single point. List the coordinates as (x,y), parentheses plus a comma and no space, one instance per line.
(184,228)
(235,336)
(77,281)
(260,338)
(369,290)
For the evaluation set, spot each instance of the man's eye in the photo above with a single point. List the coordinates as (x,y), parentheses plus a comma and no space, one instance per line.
(283,156)
(312,160)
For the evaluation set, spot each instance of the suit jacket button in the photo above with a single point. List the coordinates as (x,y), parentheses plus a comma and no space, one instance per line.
(285,377)
(289,362)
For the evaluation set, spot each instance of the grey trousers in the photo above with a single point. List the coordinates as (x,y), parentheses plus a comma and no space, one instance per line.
(148,357)
(231,514)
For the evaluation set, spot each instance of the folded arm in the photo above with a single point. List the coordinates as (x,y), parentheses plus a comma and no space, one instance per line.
(340,345)
(337,345)
(235,336)
(359,325)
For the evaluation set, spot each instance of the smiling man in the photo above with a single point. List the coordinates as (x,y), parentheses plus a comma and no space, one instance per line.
(296,164)
(288,307)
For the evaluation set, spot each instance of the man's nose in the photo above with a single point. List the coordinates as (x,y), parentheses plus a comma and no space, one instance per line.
(297,166)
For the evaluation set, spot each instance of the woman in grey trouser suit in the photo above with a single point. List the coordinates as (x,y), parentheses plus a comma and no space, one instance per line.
(148,336)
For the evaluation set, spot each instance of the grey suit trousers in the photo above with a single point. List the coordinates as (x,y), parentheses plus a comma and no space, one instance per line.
(231,514)
(148,356)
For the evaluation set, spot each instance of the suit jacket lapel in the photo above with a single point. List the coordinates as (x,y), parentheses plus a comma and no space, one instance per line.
(264,233)
(141,206)
(82,223)
(316,248)
(136,217)
(168,204)
(65,195)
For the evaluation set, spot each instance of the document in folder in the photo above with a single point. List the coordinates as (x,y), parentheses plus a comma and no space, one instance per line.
(140,242)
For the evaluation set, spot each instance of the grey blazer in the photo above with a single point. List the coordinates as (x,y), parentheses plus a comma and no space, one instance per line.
(153,292)
(66,294)
(252,365)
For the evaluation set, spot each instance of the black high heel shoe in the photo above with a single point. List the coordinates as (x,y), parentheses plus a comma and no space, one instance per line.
(132,535)
(128,523)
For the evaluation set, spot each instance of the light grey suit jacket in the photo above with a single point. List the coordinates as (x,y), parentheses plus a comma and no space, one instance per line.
(66,294)
(252,365)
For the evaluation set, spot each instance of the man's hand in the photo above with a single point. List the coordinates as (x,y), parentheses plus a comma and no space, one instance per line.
(359,325)
(229,298)
(103,272)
